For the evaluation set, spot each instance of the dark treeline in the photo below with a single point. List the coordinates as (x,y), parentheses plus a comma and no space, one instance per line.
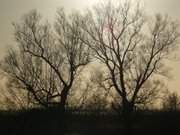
(100,70)
(38,121)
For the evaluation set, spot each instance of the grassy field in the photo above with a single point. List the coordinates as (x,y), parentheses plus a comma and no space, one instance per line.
(48,122)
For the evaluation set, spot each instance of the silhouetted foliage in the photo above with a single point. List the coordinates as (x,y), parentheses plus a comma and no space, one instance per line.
(46,62)
(131,46)
(44,70)
(171,101)
(13,98)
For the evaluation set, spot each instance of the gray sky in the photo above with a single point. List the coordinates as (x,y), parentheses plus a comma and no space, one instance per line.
(12,10)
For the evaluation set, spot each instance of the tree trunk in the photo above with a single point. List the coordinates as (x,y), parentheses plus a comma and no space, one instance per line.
(127,107)
(60,113)
(63,99)
(127,110)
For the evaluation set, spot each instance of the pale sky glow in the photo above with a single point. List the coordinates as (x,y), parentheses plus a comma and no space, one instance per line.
(12,11)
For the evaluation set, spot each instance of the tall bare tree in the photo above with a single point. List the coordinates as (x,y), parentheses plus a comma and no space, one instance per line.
(47,61)
(131,46)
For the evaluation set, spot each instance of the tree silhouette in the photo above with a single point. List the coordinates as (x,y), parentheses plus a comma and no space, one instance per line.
(170,101)
(131,46)
(45,61)
(13,98)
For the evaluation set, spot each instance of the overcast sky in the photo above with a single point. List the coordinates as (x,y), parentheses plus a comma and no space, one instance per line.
(12,10)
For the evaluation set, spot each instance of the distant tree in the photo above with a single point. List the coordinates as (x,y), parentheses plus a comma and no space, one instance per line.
(45,61)
(96,94)
(132,46)
(12,98)
(91,92)
(171,101)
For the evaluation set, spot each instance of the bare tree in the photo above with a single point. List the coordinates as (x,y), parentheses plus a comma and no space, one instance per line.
(96,94)
(131,46)
(47,61)
(170,102)
(12,98)
(90,92)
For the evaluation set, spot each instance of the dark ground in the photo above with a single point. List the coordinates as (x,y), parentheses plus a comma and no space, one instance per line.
(48,122)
